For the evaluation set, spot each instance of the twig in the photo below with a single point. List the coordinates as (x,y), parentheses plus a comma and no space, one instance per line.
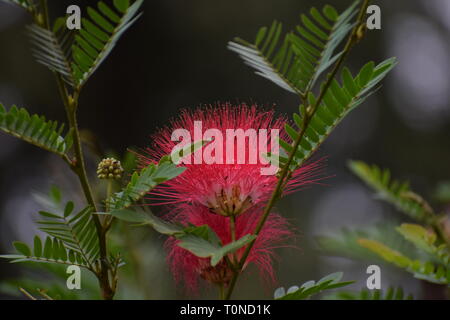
(78,165)
(276,194)
(44,294)
(27,294)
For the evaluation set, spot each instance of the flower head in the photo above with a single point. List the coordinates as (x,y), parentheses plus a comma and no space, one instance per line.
(219,191)
(226,189)
(188,269)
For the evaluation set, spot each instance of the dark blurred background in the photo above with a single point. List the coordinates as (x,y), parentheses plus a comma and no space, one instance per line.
(176,57)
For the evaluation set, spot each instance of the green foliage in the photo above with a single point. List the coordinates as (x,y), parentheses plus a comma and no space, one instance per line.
(309,288)
(429,271)
(296,60)
(391,294)
(76,55)
(431,261)
(75,229)
(51,50)
(201,241)
(74,233)
(53,250)
(35,129)
(212,248)
(426,241)
(144,181)
(99,36)
(55,286)
(338,101)
(345,243)
(386,253)
(395,192)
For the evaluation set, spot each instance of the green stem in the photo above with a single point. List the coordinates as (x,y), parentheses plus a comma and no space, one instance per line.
(232,220)
(233,228)
(221,292)
(276,194)
(79,167)
(109,187)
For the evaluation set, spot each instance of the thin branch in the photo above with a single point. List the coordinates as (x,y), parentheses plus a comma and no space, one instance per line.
(78,165)
(276,194)
(27,294)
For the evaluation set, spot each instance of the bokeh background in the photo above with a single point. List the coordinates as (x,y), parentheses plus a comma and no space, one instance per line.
(176,57)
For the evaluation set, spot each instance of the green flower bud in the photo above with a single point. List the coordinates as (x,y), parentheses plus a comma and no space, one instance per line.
(109,168)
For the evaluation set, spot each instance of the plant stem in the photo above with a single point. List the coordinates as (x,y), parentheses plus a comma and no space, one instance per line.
(232,220)
(109,187)
(276,194)
(27,294)
(233,228)
(221,292)
(79,166)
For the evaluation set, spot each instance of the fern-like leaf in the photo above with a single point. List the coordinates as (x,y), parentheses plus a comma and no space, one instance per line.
(53,48)
(435,273)
(99,35)
(391,294)
(338,101)
(297,61)
(425,241)
(35,129)
(144,181)
(53,251)
(345,242)
(77,54)
(76,230)
(201,241)
(309,288)
(395,192)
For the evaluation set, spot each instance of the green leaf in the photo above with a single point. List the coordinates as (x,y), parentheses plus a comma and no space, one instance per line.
(99,36)
(54,252)
(366,74)
(50,48)
(391,294)
(122,5)
(75,231)
(395,192)
(147,218)
(338,101)
(201,241)
(35,129)
(421,270)
(22,248)
(76,55)
(296,60)
(205,249)
(345,242)
(309,288)
(37,246)
(424,239)
(180,153)
(143,182)
(386,253)
(69,208)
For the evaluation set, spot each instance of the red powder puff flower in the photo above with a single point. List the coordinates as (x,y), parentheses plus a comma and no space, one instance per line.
(188,269)
(226,189)
(210,192)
